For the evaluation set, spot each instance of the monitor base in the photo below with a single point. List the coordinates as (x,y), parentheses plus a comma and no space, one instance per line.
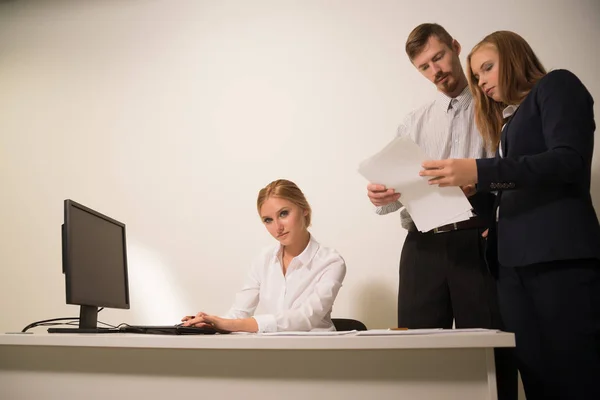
(83,330)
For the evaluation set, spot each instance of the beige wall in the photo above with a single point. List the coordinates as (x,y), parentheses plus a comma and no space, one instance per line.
(171,115)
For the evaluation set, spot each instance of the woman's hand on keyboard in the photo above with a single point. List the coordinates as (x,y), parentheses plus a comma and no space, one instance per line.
(197,320)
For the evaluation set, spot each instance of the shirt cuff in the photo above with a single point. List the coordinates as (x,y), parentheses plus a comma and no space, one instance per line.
(266,323)
(388,208)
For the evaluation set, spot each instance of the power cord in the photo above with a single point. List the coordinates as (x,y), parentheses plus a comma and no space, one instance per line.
(45,321)
(72,321)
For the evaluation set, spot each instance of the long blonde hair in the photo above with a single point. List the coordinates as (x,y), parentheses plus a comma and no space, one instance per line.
(287,190)
(519,71)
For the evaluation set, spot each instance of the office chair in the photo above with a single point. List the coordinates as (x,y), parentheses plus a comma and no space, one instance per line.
(345,324)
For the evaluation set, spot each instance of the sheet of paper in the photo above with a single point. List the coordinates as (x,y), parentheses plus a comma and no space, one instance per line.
(435,331)
(459,217)
(311,333)
(397,166)
(393,332)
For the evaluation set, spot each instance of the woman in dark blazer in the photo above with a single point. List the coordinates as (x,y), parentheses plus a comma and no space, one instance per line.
(544,240)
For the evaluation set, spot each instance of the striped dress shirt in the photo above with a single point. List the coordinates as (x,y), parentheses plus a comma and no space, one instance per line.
(443,128)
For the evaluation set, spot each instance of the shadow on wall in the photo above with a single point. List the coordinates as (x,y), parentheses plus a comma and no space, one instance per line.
(376,304)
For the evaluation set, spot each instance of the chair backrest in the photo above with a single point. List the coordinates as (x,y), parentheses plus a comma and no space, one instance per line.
(346,324)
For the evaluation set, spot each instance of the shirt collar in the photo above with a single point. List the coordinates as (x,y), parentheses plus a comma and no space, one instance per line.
(509,110)
(307,254)
(463,100)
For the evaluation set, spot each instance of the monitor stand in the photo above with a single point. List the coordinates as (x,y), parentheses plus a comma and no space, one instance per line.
(88,323)
(83,330)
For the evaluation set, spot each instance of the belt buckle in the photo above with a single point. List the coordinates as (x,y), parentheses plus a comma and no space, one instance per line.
(439,230)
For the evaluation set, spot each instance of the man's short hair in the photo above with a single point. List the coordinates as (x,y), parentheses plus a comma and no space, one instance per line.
(420,35)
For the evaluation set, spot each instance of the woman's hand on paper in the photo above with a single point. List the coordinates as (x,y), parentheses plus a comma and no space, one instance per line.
(451,172)
(380,195)
(468,190)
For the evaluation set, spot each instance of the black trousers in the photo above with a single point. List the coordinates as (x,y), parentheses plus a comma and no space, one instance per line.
(554,311)
(444,278)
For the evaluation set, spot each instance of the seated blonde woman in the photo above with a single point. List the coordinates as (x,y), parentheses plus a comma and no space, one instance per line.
(295,282)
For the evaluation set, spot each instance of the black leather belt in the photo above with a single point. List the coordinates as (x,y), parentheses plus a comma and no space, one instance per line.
(472,223)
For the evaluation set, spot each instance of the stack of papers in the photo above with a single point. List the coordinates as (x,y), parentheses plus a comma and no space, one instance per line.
(436,331)
(397,167)
(311,333)
(380,332)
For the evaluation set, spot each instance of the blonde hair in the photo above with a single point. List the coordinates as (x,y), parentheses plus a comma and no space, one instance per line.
(519,70)
(287,190)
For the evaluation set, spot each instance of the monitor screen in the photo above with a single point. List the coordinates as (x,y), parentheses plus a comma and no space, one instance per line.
(94,262)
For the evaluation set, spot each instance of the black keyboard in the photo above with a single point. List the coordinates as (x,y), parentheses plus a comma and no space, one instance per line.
(170,330)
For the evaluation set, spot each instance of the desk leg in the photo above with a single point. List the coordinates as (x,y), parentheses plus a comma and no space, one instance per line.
(491,374)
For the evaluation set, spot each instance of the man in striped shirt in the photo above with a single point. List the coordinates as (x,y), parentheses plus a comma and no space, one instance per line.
(443,274)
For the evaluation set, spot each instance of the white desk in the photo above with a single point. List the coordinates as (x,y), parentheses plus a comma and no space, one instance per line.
(119,366)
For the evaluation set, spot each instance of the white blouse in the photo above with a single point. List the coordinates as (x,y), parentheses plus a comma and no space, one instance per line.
(300,300)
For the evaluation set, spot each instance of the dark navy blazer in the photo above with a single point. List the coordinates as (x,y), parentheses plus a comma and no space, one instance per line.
(543,182)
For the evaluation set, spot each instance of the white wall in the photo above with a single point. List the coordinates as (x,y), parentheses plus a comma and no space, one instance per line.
(171,115)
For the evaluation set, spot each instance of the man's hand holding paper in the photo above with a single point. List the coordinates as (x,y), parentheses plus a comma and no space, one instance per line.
(380,195)
(397,167)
